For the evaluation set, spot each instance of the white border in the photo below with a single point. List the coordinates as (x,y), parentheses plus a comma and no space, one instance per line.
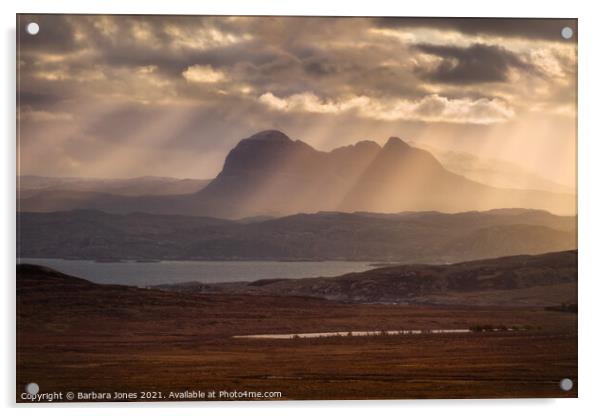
(590,207)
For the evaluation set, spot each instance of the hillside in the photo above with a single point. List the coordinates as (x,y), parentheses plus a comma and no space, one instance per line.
(428,237)
(543,280)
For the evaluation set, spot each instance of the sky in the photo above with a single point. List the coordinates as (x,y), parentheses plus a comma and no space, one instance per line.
(127,96)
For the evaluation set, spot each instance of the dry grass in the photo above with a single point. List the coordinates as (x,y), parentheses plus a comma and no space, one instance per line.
(106,339)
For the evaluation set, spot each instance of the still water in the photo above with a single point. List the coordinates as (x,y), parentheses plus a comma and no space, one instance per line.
(164,272)
(356,333)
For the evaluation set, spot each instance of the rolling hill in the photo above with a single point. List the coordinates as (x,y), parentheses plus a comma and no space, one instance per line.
(543,280)
(430,237)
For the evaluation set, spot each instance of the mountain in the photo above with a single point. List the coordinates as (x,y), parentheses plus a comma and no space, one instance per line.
(543,280)
(412,179)
(30,185)
(270,174)
(429,237)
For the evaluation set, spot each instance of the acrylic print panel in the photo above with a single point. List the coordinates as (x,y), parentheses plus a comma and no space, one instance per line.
(283,208)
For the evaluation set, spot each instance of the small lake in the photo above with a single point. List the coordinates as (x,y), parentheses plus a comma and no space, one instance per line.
(166,272)
(355,333)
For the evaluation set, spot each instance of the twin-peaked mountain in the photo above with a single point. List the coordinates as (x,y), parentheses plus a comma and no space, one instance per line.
(270,174)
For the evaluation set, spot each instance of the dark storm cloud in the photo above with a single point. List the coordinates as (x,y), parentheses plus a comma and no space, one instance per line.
(56,34)
(475,64)
(282,56)
(114,40)
(38,100)
(279,55)
(322,67)
(544,29)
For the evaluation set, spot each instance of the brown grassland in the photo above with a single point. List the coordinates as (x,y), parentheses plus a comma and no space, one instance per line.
(76,336)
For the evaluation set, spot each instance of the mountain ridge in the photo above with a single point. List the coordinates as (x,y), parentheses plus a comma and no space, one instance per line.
(269,173)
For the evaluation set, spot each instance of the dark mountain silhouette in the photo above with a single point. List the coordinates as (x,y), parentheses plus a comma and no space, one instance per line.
(270,174)
(412,179)
(429,237)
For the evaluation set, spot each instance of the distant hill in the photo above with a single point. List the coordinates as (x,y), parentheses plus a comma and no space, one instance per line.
(269,174)
(30,185)
(429,237)
(543,280)
(493,172)
(41,278)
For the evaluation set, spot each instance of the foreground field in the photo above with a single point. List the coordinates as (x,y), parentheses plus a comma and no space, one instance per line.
(75,336)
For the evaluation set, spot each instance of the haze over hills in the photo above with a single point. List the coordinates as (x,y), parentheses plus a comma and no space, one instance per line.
(493,172)
(29,185)
(426,237)
(270,174)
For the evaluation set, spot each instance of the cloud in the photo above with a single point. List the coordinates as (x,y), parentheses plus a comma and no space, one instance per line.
(38,116)
(476,64)
(432,108)
(201,37)
(65,73)
(203,74)
(534,29)
(173,84)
